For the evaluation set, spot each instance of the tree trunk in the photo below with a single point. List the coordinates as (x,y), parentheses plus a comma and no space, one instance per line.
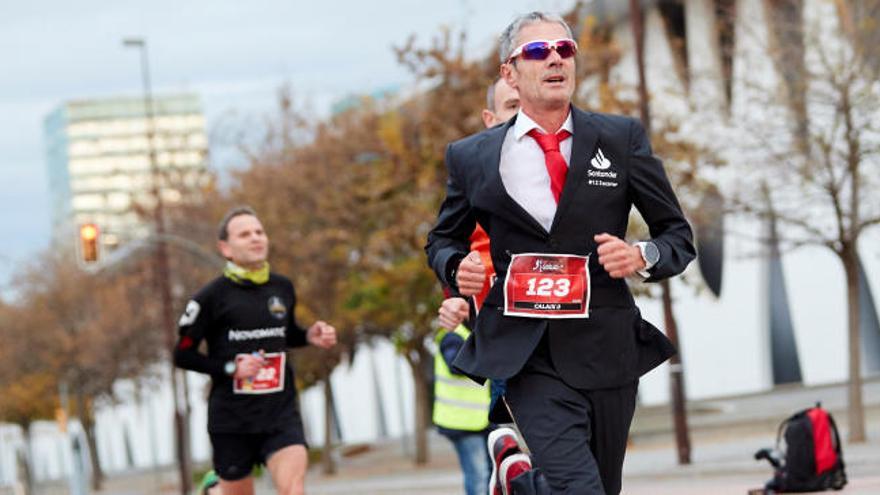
(422,411)
(856,408)
(25,460)
(676,369)
(676,381)
(85,413)
(327,463)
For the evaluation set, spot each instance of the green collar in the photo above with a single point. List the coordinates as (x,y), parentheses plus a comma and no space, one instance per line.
(240,275)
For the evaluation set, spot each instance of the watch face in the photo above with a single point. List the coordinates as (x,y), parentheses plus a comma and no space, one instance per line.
(652,254)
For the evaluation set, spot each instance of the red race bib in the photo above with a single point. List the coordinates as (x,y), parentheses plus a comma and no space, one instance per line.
(547,286)
(269,379)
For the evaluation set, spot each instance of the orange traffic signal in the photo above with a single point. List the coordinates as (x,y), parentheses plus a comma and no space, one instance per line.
(88,243)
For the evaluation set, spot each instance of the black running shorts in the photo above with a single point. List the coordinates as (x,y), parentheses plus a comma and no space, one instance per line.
(236,454)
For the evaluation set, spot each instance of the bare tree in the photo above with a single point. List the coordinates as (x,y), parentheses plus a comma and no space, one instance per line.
(815,134)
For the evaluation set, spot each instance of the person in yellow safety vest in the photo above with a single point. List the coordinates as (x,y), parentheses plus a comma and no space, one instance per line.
(461,411)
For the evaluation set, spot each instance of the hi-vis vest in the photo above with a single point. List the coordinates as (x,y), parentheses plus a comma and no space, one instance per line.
(459,403)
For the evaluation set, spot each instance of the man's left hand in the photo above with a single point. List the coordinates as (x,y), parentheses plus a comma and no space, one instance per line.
(321,334)
(453,312)
(618,258)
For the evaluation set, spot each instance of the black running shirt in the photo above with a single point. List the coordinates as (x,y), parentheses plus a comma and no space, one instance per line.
(241,318)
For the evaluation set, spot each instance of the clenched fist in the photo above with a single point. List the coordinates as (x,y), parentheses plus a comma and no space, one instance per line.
(248,365)
(321,334)
(471,274)
(618,258)
(452,312)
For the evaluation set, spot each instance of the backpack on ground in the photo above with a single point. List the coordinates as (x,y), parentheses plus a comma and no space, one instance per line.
(808,454)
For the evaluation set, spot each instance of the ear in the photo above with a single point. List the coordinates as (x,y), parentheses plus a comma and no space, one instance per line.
(508,73)
(223,247)
(489,118)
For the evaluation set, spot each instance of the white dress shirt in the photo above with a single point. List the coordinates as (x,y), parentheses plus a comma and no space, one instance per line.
(524,171)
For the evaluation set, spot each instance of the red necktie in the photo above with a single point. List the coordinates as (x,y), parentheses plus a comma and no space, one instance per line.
(553,158)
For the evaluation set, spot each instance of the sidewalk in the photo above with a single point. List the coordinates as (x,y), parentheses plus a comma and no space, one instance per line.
(725,433)
(719,466)
(722,465)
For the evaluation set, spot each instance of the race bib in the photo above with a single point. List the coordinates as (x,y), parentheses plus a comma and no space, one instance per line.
(269,379)
(547,286)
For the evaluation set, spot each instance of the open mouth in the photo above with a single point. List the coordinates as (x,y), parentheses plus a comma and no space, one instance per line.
(555,79)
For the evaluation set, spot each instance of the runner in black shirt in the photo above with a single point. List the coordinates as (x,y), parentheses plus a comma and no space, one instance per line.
(247,319)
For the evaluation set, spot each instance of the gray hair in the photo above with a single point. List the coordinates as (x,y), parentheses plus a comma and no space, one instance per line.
(508,36)
(223,228)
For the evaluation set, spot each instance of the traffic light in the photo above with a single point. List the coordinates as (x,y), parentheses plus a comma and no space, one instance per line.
(89,249)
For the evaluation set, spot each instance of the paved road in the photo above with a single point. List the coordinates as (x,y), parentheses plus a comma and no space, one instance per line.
(720,466)
(725,434)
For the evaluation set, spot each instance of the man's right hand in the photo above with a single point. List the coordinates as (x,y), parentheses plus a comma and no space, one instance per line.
(248,365)
(452,312)
(471,274)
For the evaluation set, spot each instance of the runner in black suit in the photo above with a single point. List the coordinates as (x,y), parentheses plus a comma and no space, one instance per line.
(572,381)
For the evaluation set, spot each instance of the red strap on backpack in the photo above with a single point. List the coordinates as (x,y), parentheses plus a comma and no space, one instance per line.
(823,446)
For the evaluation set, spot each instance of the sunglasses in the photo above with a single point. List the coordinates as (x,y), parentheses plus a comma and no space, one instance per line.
(540,49)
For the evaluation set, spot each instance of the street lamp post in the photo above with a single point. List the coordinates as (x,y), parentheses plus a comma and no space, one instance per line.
(163,273)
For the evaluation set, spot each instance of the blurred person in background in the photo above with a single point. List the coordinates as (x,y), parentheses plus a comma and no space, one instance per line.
(246,317)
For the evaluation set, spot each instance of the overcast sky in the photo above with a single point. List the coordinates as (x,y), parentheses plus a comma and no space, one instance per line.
(234,54)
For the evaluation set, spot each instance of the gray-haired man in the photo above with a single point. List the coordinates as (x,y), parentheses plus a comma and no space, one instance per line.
(554,187)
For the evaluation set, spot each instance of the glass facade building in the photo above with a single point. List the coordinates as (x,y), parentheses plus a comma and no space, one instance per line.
(99,166)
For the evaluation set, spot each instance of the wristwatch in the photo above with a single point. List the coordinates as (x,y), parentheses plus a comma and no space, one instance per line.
(229,368)
(650,253)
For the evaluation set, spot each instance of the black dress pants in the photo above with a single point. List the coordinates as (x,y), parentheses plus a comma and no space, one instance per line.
(576,437)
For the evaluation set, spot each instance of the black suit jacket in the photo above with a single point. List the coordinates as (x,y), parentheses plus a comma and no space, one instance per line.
(614,345)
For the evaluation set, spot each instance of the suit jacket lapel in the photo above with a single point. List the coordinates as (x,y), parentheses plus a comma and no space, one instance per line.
(585,138)
(490,159)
